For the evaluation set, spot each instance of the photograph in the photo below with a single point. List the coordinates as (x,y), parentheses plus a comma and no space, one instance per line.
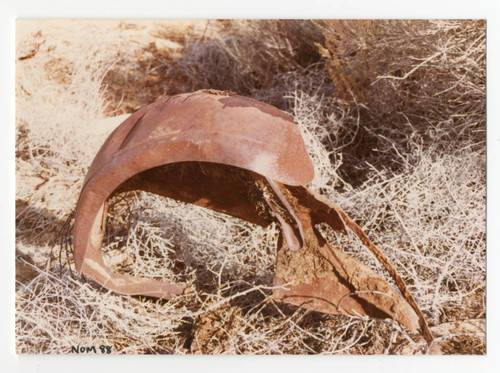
(250,186)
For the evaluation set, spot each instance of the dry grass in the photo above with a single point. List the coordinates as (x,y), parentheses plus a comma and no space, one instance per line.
(393,116)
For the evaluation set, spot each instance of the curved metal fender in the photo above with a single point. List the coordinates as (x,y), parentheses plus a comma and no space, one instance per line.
(227,143)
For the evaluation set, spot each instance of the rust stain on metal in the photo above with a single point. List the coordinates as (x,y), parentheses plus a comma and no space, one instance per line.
(267,109)
(239,155)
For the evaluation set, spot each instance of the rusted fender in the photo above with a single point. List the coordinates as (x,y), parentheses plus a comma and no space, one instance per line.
(231,154)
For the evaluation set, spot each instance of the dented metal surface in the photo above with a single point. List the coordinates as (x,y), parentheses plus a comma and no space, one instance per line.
(226,152)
